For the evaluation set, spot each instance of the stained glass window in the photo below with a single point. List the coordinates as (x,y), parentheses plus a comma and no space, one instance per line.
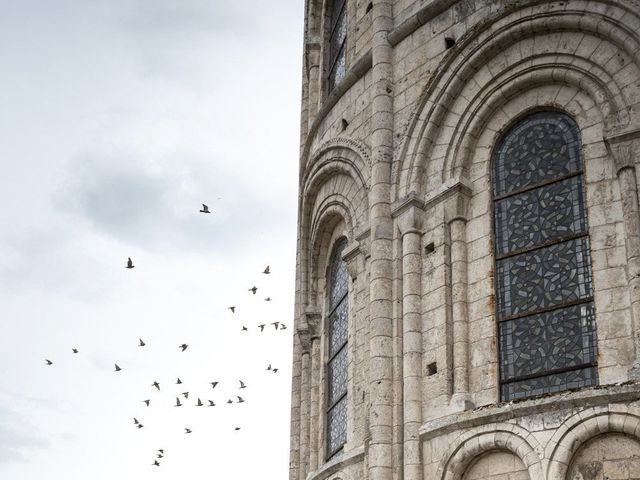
(337,41)
(338,319)
(546,319)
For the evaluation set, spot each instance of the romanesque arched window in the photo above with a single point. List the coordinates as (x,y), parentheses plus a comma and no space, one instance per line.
(337,329)
(545,312)
(337,65)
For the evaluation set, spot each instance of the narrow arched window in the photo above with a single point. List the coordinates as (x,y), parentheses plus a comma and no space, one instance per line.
(545,312)
(337,41)
(337,323)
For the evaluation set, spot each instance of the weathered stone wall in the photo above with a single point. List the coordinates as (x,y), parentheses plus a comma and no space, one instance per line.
(397,160)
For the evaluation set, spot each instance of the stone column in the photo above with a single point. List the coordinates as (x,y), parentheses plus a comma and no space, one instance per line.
(294,456)
(456,216)
(313,89)
(304,413)
(380,462)
(315,403)
(410,224)
(624,151)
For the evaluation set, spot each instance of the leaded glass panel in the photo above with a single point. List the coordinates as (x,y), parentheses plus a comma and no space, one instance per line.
(338,321)
(548,341)
(544,277)
(547,333)
(539,216)
(338,376)
(336,45)
(337,427)
(339,279)
(545,146)
(584,377)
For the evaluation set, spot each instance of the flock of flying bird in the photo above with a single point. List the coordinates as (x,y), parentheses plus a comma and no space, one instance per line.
(183,347)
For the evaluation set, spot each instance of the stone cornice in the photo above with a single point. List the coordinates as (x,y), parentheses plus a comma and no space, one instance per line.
(588,397)
(338,463)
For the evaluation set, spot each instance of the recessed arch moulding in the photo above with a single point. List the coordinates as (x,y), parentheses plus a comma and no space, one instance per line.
(575,48)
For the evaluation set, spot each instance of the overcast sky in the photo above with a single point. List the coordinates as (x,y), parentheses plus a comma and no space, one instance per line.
(118,119)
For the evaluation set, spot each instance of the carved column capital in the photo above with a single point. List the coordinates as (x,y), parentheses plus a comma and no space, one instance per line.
(409,212)
(456,204)
(624,149)
(308,328)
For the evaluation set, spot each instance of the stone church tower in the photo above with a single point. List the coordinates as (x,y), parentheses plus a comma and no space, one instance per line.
(468,257)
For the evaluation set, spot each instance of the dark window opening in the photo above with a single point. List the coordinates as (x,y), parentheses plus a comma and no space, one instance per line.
(337,43)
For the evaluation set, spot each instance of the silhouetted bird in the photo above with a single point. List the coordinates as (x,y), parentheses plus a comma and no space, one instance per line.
(237,428)
(253,289)
(213,384)
(178,404)
(178,381)
(275,324)
(205,209)
(199,404)
(156,384)
(184,346)
(135,421)
(185,394)
(261,327)
(269,367)
(117,368)
(229,401)
(187,430)
(268,299)
(275,370)
(211,404)
(155,463)
(240,399)
(147,402)
(130,263)
(233,309)
(161,450)
(267,270)
(74,350)
(141,344)
(49,362)
(140,425)
(159,455)
(283,326)
(244,329)
(242,385)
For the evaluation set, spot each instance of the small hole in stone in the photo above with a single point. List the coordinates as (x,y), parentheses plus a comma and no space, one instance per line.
(430,248)
(449,42)
(369,7)
(432,369)
(345,124)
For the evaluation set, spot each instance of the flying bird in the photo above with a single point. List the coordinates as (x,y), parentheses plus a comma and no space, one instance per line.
(283,326)
(49,362)
(268,299)
(159,455)
(156,384)
(261,327)
(213,384)
(229,401)
(135,421)
(117,368)
(185,394)
(211,404)
(205,209)
(139,425)
(178,381)
(275,324)
(199,404)
(269,367)
(242,385)
(130,263)
(240,399)
(178,404)
(187,430)
(155,463)
(275,370)
(233,309)
(253,289)
(244,329)
(237,428)
(146,402)
(267,270)
(161,450)
(74,350)
(184,346)
(141,344)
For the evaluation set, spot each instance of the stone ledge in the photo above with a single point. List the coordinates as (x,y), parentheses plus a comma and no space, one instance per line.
(343,460)
(584,398)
